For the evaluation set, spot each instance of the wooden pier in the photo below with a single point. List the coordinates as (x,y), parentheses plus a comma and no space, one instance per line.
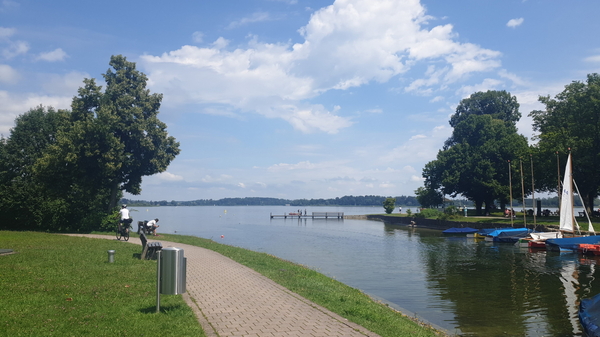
(313,215)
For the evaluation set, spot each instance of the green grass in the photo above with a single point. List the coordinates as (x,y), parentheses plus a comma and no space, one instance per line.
(55,285)
(346,301)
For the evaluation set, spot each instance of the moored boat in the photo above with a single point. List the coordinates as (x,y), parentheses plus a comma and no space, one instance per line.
(567,222)
(460,230)
(589,315)
(509,235)
(590,249)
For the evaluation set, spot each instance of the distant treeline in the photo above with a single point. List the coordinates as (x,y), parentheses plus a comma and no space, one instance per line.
(367,200)
(349,200)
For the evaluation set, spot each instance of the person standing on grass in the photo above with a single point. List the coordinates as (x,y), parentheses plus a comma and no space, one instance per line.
(153,225)
(125,219)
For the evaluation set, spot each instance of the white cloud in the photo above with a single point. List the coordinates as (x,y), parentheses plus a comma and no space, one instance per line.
(512,23)
(487,84)
(347,44)
(63,85)
(594,59)
(8,74)
(6,32)
(14,105)
(53,56)
(14,49)
(166,176)
(254,17)
(198,37)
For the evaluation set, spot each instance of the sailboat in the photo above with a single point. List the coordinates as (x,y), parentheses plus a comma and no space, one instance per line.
(568,224)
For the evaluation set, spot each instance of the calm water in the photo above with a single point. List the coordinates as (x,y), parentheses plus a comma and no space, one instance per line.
(465,286)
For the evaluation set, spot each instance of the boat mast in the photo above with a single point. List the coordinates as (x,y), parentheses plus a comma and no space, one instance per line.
(523,194)
(511,197)
(533,192)
(558,190)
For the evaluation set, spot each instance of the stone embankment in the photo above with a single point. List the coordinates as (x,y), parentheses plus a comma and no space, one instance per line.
(436,223)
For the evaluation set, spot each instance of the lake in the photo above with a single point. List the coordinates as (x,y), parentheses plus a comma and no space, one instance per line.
(468,287)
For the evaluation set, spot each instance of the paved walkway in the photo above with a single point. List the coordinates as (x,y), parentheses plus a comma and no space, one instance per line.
(230,299)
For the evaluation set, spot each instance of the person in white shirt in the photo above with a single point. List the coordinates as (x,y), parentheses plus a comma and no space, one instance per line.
(153,225)
(125,219)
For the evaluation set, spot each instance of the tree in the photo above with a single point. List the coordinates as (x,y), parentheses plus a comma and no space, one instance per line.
(571,120)
(429,197)
(389,204)
(497,104)
(473,160)
(24,201)
(116,137)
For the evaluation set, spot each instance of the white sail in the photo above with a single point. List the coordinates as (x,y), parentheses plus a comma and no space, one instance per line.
(566,202)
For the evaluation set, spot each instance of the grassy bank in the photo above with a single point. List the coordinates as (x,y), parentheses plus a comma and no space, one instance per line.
(56,285)
(347,302)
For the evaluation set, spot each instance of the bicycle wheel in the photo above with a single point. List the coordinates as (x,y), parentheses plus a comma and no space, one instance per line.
(126,234)
(119,232)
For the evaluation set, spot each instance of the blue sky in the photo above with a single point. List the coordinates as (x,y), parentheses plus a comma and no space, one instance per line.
(298,99)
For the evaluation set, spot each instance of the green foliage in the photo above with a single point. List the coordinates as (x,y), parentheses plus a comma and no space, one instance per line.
(473,162)
(571,120)
(389,204)
(409,212)
(428,213)
(429,197)
(65,171)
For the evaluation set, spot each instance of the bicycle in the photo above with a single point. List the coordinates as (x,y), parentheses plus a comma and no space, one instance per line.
(123,229)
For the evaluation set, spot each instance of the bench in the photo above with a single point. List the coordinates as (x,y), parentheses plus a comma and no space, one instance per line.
(149,249)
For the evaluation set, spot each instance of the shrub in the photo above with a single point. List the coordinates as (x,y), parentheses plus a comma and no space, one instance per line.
(428,213)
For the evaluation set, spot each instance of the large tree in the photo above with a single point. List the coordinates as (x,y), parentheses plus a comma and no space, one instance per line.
(473,162)
(25,203)
(571,120)
(115,137)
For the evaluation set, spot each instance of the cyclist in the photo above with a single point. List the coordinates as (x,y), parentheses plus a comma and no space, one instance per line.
(125,219)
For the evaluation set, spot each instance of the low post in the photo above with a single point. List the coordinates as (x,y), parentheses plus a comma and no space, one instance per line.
(158,281)
(111,256)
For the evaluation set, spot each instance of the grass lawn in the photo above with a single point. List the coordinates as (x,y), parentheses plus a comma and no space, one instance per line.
(56,285)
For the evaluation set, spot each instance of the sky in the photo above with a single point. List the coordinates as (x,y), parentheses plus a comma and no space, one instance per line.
(298,98)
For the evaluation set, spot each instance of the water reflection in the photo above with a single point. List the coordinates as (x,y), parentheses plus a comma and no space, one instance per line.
(500,289)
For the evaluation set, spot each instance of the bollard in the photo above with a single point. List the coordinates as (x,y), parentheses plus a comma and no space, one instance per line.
(111,256)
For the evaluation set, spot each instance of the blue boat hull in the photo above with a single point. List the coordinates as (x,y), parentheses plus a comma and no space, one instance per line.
(460,230)
(571,244)
(589,315)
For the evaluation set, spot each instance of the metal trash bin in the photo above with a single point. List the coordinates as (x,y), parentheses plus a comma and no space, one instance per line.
(173,266)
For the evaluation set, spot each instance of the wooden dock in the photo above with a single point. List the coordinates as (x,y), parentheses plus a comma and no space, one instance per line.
(313,215)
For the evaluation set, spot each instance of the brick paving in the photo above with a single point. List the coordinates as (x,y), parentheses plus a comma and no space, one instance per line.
(230,299)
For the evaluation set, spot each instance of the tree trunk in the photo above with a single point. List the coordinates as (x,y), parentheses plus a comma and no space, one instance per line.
(113,197)
(478,204)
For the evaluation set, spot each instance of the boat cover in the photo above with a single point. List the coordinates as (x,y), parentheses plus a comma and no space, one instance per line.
(571,243)
(545,235)
(510,232)
(460,230)
(589,315)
